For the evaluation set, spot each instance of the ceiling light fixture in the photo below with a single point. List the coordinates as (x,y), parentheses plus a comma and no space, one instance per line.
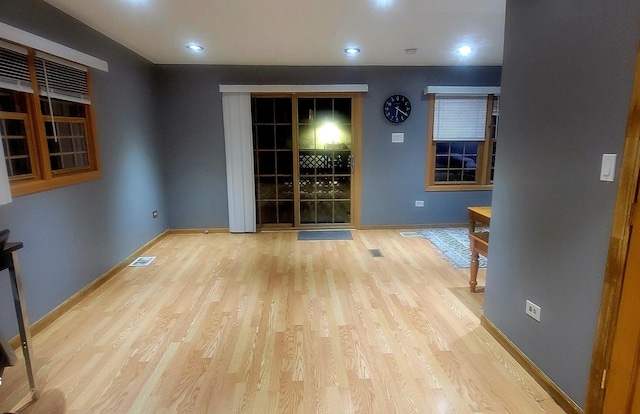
(194,47)
(464,50)
(352,51)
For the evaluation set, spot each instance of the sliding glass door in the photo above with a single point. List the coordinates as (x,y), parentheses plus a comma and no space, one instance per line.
(303,160)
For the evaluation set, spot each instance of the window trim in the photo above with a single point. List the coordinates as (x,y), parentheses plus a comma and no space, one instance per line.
(483,170)
(42,177)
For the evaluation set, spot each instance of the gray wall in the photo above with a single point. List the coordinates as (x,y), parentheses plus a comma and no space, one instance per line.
(393,175)
(566,87)
(74,234)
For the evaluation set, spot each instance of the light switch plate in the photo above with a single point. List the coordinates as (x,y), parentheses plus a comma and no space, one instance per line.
(608,168)
(397,137)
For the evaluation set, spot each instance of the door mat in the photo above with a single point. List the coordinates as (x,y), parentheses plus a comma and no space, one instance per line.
(305,235)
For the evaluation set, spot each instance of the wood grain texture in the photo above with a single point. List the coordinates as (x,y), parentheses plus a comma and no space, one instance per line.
(618,250)
(262,323)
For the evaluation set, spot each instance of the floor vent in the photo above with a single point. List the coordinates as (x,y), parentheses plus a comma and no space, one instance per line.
(410,234)
(142,261)
(375,252)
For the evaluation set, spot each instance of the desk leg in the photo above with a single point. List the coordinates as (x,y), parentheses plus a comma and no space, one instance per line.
(23,322)
(473,272)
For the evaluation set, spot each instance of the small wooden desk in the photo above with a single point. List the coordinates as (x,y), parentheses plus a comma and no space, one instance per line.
(478,241)
(480,215)
(9,260)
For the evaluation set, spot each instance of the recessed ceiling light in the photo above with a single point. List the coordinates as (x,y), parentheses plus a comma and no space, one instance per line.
(464,50)
(352,51)
(194,47)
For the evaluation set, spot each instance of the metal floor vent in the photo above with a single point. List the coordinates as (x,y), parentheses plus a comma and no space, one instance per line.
(376,253)
(410,234)
(142,261)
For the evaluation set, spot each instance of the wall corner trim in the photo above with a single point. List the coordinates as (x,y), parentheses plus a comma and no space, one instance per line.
(559,396)
(21,37)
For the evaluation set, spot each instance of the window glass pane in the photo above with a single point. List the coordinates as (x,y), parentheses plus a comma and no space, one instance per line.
(325,212)
(342,109)
(307,212)
(342,188)
(266,162)
(285,212)
(324,187)
(342,162)
(342,212)
(265,138)
(324,109)
(62,108)
(267,188)
(307,187)
(268,212)
(283,137)
(283,110)
(306,136)
(285,162)
(12,101)
(13,128)
(285,188)
(20,166)
(305,110)
(66,144)
(263,110)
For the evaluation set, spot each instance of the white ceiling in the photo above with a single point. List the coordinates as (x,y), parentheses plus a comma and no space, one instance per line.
(300,32)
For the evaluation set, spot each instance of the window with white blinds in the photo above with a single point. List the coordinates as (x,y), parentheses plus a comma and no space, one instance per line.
(61,79)
(460,117)
(14,68)
(47,123)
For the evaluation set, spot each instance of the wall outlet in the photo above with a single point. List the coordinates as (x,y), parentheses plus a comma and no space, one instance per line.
(419,203)
(154,214)
(533,310)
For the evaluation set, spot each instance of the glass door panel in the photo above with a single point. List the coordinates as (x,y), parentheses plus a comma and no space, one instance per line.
(324,160)
(273,160)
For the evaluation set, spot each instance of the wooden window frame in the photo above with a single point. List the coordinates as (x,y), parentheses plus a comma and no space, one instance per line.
(483,165)
(43,178)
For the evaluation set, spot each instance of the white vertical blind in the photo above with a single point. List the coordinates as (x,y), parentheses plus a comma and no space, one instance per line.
(459,117)
(5,187)
(14,68)
(236,111)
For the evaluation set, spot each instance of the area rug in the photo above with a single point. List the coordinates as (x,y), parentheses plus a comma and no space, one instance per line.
(453,243)
(324,235)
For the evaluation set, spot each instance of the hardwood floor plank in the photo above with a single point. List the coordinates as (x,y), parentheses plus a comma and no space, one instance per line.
(263,323)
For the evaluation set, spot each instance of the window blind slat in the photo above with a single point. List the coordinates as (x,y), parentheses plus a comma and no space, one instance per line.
(460,118)
(65,82)
(14,70)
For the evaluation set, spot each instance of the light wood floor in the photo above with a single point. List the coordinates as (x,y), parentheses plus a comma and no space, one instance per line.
(262,323)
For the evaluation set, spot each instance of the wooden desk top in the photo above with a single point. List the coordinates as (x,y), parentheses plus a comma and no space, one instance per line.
(484,211)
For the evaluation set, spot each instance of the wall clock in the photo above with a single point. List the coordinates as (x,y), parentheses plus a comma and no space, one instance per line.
(397,108)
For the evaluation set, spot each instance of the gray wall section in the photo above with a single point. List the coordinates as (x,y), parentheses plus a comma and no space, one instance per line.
(566,87)
(74,234)
(393,175)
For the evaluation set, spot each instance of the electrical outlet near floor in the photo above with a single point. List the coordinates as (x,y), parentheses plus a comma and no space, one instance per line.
(533,310)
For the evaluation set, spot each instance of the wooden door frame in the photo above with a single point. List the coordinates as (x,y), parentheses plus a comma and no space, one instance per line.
(616,259)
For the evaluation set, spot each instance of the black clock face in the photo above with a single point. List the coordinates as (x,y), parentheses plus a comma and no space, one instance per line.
(397,108)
